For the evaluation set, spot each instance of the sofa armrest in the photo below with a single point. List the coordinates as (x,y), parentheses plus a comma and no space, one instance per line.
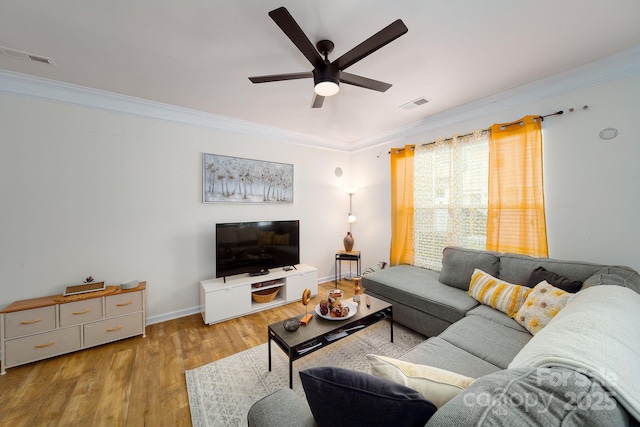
(282,408)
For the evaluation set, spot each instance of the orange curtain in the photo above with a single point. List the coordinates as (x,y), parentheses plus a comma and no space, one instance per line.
(401,206)
(516,218)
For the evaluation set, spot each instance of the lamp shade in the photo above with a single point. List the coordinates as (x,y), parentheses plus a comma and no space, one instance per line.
(351,218)
(351,190)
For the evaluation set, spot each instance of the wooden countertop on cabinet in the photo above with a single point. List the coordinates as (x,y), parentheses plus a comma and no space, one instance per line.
(27,304)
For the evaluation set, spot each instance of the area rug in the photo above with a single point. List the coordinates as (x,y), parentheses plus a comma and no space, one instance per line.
(221,393)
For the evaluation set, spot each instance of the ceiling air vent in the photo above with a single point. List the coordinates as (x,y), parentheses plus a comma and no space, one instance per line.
(26,56)
(415,103)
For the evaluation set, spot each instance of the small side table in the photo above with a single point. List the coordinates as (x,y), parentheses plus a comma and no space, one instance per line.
(346,256)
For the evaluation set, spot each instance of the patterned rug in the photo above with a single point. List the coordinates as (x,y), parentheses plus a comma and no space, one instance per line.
(221,393)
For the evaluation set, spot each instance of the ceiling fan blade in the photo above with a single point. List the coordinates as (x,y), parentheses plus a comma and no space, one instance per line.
(373,43)
(364,82)
(317,101)
(290,27)
(280,77)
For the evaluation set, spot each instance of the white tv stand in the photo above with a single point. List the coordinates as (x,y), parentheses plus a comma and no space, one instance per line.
(226,299)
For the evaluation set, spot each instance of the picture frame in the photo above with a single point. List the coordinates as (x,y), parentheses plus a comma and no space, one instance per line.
(227,179)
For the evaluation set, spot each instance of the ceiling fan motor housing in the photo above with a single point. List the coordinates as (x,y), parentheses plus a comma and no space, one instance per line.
(330,73)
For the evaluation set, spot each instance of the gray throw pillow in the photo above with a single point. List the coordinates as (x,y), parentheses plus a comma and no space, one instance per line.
(342,397)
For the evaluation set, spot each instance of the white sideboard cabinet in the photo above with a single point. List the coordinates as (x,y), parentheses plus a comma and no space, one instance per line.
(222,299)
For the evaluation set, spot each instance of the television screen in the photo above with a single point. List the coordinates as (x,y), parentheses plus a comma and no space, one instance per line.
(252,247)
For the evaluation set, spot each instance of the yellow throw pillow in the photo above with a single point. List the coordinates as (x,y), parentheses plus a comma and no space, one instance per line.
(497,293)
(435,384)
(542,304)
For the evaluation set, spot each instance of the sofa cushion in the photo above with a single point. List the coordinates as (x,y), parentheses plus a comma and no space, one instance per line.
(541,274)
(496,316)
(542,304)
(614,275)
(435,384)
(420,289)
(498,294)
(282,408)
(442,354)
(342,397)
(458,265)
(490,341)
(517,268)
(532,397)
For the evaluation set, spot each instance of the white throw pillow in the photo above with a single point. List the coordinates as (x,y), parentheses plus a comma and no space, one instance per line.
(435,384)
(541,305)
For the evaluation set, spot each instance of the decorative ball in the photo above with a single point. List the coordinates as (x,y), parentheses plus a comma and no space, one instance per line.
(291,325)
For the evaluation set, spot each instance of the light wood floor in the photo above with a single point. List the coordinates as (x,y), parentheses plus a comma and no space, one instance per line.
(133,382)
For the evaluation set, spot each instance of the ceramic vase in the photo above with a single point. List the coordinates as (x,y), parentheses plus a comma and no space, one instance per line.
(348,242)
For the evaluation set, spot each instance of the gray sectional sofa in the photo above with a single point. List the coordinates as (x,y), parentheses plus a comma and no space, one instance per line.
(477,341)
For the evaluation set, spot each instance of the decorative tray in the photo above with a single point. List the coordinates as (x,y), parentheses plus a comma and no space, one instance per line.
(85,287)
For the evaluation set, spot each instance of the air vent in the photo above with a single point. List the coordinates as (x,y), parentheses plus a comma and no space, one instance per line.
(26,56)
(415,103)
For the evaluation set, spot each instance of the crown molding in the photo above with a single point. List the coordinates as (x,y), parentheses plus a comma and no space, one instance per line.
(611,68)
(52,90)
(607,69)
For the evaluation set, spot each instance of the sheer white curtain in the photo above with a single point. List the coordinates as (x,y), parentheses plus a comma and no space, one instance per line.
(450,196)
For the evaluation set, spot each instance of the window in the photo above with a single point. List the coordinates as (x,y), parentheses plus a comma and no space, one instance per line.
(450,196)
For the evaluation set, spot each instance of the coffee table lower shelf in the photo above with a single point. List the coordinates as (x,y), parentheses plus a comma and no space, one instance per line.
(320,333)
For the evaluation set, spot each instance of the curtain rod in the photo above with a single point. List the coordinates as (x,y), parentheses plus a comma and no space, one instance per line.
(519,122)
(485,130)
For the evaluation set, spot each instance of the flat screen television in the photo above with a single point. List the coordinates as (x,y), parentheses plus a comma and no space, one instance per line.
(255,247)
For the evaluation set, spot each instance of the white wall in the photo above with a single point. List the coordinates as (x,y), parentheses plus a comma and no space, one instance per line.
(592,187)
(91,192)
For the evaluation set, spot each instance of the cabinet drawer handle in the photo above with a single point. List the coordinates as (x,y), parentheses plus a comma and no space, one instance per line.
(30,322)
(82,312)
(49,344)
(117,328)
(122,304)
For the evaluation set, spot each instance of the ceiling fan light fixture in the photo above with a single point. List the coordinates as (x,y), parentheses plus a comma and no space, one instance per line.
(326,81)
(326,88)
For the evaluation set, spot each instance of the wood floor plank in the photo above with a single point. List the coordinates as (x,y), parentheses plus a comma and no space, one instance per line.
(136,381)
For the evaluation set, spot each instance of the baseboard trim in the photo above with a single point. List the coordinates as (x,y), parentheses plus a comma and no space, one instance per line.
(325,279)
(198,309)
(173,315)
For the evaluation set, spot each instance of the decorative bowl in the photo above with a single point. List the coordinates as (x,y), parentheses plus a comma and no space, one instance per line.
(292,324)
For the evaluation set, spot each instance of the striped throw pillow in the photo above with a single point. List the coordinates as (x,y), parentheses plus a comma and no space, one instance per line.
(497,293)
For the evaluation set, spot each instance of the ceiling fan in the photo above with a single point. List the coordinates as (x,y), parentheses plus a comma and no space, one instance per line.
(326,74)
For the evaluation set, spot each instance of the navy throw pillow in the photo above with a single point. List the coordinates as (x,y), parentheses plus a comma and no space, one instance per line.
(342,397)
(540,274)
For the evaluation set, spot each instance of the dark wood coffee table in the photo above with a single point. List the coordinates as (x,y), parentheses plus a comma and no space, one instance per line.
(317,334)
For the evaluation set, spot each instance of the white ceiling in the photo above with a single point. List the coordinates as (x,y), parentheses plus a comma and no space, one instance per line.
(197,54)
